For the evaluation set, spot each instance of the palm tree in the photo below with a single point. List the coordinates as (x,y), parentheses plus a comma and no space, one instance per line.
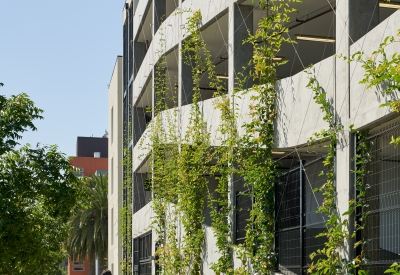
(89,224)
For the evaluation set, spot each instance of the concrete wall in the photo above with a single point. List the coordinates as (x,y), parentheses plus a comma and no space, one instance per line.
(299,117)
(115,166)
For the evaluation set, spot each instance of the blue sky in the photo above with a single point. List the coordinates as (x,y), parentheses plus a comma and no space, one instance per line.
(62,54)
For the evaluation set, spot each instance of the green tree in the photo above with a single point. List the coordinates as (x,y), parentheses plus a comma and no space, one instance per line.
(88,231)
(37,191)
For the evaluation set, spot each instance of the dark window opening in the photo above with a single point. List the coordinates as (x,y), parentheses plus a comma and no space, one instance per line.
(297,222)
(141,190)
(381,228)
(244,204)
(142,255)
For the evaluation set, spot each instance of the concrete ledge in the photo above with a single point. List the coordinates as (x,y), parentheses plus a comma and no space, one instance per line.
(365,102)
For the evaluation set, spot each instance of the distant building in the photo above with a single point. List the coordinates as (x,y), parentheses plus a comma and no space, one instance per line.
(91,159)
(91,155)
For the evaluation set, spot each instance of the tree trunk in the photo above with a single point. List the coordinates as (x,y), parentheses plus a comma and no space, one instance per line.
(102,265)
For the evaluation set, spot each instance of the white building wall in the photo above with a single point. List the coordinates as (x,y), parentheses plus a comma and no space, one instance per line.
(115,166)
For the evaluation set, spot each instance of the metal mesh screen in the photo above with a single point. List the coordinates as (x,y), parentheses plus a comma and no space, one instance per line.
(288,198)
(289,250)
(288,239)
(297,222)
(243,208)
(313,222)
(383,198)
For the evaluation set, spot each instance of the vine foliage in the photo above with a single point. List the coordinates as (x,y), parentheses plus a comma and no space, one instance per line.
(183,161)
(383,72)
(254,148)
(125,214)
(180,187)
(330,258)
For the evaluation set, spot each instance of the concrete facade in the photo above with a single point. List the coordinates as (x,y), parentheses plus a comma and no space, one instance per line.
(355,25)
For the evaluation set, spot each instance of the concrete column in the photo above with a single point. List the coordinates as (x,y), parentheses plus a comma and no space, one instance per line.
(240,22)
(239,54)
(159,13)
(353,20)
(138,56)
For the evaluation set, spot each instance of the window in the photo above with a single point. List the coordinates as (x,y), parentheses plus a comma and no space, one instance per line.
(382,225)
(79,172)
(142,255)
(112,124)
(297,222)
(78,266)
(112,226)
(112,176)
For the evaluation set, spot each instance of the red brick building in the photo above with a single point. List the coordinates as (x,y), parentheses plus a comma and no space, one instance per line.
(89,165)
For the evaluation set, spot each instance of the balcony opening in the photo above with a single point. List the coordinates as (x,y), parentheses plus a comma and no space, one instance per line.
(215,36)
(171,6)
(171,78)
(141,188)
(145,31)
(142,111)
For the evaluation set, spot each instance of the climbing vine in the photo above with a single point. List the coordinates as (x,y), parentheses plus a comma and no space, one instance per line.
(180,166)
(383,72)
(248,156)
(182,160)
(164,146)
(362,158)
(219,159)
(125,216)
(330,260)
(254,149)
